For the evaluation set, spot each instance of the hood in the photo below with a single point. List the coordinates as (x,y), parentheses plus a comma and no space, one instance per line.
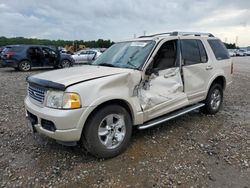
(61,79)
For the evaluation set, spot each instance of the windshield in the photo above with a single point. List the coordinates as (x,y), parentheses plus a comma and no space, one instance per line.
(126,54)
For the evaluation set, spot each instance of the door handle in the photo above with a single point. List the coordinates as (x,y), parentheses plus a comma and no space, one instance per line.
(169,75)
(209,67)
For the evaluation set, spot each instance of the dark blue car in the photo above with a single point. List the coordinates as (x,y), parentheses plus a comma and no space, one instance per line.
(24,57)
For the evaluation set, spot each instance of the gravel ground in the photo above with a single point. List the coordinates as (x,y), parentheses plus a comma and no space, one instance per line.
(193,150)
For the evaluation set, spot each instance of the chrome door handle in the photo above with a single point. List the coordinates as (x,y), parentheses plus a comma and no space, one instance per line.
(169,75)
(209,67)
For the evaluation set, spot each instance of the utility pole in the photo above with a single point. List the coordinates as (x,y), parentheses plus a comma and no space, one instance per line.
(144,33)
(236,40)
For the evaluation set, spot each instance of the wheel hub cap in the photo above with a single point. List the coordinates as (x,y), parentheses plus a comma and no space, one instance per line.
(215,99)
(112,131)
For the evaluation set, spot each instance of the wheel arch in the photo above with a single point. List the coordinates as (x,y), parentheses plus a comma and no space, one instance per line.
(25,59)
(219,79)
(120,102)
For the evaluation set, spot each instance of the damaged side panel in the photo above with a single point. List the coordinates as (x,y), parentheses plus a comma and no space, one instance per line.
(160,94)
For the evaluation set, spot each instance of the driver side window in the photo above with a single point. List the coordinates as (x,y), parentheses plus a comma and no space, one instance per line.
(166,56)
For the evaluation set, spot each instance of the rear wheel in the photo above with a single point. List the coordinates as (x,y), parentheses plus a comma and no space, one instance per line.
(108,132)
(214,99)
(24,66)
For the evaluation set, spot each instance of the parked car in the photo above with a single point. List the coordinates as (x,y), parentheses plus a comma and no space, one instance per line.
(247,53)
(86,56)
(141,82)
(24,57)
(232,52)
(241,52)
(1,49)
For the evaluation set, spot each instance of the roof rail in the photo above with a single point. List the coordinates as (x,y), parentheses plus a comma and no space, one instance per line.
(177,33)
(157,34)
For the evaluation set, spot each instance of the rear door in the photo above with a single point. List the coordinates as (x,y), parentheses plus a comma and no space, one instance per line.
(91,55)
(197,68)
(83,57)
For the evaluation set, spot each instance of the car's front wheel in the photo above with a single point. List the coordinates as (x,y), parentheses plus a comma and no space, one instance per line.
(214,99)
(65,63)
(24,66)
(108,132)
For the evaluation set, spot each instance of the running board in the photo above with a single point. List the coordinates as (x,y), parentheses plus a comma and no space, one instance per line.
(170,116)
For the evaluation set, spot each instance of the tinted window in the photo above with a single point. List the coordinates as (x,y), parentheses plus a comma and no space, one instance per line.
(203,53)
(48,51)
(91,52)
(13,49)
(219,49)
(166,56)
(190,51)
(83,52)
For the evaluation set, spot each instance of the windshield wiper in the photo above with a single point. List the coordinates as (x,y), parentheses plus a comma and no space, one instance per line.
(106,64)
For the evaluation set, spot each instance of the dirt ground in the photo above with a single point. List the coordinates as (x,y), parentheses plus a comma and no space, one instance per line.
(194,150)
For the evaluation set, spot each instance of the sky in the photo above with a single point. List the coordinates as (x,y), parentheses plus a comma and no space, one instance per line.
(122,19)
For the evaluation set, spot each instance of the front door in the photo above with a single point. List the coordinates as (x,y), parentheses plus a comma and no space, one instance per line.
(163,90)
(49,57)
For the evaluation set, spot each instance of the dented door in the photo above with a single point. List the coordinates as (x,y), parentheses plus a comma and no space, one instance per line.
(162,93)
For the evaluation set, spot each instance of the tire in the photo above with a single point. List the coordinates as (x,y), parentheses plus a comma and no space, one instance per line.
(65,63)
(24,66)
(214,99)
(107,132)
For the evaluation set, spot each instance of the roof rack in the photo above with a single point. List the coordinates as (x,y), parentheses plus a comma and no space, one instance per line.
(177,33)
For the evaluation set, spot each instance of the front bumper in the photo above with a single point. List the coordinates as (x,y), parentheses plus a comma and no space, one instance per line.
(67,122)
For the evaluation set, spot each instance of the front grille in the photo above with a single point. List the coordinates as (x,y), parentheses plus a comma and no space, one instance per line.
(37,93)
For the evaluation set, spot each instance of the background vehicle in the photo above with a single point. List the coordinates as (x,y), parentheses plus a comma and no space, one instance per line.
(23,57)
(141,82)
(241,52)
(247,52)
(1,49)
(86,56)
(232,52)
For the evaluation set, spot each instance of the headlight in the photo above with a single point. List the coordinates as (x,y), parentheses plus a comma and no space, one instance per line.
(61,100)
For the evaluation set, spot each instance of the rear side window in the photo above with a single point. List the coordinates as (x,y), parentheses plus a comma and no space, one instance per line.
(193,51)
(219,49)
(13,49)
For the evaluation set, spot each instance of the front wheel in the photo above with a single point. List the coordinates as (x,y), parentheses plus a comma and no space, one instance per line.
(108,132)
(65,63)
(214,99)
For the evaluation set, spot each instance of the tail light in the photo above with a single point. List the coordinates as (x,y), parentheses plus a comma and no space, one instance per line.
(232,68)
(8,55)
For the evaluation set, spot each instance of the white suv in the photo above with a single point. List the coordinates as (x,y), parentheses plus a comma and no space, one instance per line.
(140,82)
